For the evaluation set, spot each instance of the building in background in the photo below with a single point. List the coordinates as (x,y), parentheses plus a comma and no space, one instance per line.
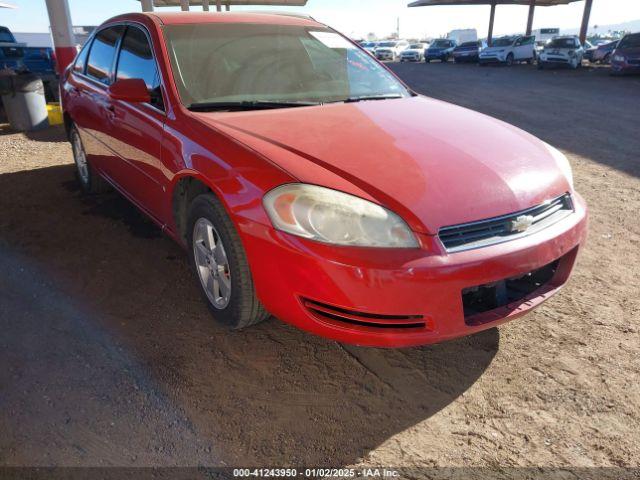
(44,40)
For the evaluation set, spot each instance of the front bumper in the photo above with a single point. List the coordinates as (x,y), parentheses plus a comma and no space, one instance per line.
(626,66)
(385,55)
(466,57)
(490,59)
(414,57)
(556,59)
(291,273)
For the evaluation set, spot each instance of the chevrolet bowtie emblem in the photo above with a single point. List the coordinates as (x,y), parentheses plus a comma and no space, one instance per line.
(521,224)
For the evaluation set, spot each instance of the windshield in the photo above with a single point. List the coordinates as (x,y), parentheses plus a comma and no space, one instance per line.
(630,41)
(387,44)
(5,35)
(217,63)
(469,44)
(502,42)
(441,43)
(416,46)
(562,43)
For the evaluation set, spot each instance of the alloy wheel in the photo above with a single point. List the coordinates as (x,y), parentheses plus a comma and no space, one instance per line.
(212,263)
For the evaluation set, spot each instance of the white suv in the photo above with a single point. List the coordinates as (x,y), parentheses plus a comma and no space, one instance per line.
(562,51)
(509,50)
(391,49)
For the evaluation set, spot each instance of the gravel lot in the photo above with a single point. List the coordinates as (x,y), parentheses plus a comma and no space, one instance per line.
(109,357)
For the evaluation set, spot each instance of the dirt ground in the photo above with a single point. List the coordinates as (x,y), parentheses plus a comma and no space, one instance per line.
(109,357)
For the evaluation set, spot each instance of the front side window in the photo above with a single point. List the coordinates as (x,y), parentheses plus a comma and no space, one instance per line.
(136,61)
(214,63)
(101,56)
(6,36)
(630,41)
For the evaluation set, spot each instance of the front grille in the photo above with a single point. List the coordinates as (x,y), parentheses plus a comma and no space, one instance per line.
(491,296)
(501,229)
(342,316)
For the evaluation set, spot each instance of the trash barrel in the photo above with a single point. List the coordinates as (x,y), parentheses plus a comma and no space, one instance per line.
(24,102)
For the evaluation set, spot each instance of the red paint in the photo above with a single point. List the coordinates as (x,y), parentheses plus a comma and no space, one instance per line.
(432,163)
(64,57)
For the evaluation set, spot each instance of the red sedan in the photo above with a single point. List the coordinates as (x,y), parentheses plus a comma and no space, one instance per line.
(306,181)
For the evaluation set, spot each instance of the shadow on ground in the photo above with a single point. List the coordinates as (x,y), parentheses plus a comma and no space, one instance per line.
(112,358)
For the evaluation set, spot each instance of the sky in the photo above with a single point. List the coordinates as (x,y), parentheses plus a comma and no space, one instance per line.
(357,18)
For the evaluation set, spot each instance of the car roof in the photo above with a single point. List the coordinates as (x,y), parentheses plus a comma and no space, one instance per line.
(185,18)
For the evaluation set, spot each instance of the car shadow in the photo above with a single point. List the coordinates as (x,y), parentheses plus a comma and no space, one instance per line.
(103,317)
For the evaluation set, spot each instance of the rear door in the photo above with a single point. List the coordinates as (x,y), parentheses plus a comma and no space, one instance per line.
(137,128)
(88,98)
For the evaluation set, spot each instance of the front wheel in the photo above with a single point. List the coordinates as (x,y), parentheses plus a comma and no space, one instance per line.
(509,60)
(540,65)
(219,261)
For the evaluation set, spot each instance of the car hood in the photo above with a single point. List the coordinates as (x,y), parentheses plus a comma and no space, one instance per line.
(433,163)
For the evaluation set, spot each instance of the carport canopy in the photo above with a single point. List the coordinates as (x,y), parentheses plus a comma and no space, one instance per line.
(148,5)
(531,3)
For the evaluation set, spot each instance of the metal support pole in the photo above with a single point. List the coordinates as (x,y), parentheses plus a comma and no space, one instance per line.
(228,7)
(491,19)
(205,5)
(219,5)
(64,41)
(184,5)
(584,29)
(532,9)
(147,5)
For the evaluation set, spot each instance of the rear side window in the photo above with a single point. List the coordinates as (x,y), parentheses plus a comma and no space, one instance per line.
(136,61)
(102,53)
(81,59)
(6,36)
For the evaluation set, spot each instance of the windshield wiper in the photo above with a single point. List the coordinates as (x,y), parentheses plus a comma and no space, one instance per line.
(371,97)
(245,105)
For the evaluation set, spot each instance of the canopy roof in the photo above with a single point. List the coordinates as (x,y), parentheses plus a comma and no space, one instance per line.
(286,3)
(6,5)
(539,3)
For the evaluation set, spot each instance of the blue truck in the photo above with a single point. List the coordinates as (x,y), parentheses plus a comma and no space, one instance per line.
(21,58)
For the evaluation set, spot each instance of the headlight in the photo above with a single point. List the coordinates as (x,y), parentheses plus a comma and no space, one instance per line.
(334,217)
(563,163)
(619,58)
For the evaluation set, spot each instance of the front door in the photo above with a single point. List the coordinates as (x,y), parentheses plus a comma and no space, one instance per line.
(138,128)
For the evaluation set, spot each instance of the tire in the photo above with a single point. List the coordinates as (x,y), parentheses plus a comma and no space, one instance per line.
(607,59)
(224,268)
(540,65)
(90,182)
(509,60)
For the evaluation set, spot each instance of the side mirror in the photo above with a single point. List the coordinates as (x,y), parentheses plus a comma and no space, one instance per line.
(132,90)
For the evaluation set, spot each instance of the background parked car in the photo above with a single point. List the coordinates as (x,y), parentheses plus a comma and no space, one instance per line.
(468,51)
(415,53)
(441,49)
(370,47)
(602,53)
(509,50)
(626,57)
(391,50)
(562,51)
